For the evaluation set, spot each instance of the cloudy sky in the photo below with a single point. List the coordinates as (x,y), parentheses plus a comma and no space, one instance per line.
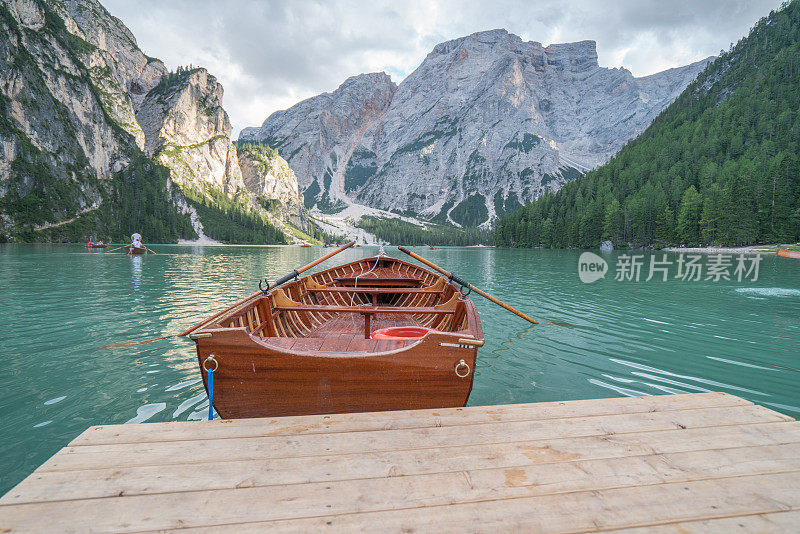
(271,54)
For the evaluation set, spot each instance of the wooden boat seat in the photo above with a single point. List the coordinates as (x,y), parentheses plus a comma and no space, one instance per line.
(377,290)
(364,309)
(281,302)
(436,287)
(337,335)
(393,281)
(344,344)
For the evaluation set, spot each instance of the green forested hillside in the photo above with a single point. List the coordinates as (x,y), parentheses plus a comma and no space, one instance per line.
(228,220)
(720,165)
(133,200)
(399,232)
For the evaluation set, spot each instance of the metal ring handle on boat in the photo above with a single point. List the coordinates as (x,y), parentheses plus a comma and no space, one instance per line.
(216,363)
(465,288)
(462,365)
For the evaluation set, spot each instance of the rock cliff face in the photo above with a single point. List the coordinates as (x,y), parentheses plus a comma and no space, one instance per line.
(79,101)
(269,179)
(58,140)
(485,123)
(186,129)
(319,134)
(119,70)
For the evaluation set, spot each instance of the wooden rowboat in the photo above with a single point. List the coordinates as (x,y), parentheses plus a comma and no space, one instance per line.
(130,249)
(313,345)
(788,253)
(96,245)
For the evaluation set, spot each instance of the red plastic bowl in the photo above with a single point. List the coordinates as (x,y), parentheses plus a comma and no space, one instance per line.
(400,332)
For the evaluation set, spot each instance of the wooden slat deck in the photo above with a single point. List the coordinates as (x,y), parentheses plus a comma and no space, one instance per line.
(708,462)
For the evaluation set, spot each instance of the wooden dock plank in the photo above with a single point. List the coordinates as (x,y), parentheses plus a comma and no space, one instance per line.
(545,471)
(697,462)
(578,512)
(763,523)
(171,452)
(408,505)
(178,431)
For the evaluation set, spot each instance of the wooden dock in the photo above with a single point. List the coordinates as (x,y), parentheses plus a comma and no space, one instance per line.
(707,462)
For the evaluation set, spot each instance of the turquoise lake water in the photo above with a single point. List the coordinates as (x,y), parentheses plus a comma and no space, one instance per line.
(61,303)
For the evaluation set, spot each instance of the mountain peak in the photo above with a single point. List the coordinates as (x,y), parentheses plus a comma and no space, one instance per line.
(368,79)
(580,55)
(576,57)
(486,122)
(478,39)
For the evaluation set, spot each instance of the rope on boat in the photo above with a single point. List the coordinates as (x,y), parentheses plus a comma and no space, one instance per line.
(210,380)
(381,253)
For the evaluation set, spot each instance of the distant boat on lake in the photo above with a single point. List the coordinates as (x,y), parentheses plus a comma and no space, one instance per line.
(130,249)
(782,252)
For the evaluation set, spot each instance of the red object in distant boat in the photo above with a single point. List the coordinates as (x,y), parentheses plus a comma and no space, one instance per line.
(400,332)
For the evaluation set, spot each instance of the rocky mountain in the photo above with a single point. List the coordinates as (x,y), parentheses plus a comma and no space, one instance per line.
(317,136)
(484,124)
(269,178)
(58,139)
(85,120)
(187,130)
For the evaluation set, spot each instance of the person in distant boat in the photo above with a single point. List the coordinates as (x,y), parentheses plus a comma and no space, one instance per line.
(136,240)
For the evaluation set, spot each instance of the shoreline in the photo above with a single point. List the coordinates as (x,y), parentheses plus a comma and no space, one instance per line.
(750,249)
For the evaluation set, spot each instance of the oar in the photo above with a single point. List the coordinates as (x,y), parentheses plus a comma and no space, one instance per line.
(189,330)
(112,250)
(296,272)
(153,251)
(480,292)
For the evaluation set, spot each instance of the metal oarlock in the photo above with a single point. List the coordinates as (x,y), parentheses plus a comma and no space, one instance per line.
(294,274)
(465,288)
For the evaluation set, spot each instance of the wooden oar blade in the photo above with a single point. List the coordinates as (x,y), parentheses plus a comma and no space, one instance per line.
(113,346)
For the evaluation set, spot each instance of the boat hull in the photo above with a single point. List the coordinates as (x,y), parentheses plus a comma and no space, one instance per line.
(255,380)
(135,250)
(306,347)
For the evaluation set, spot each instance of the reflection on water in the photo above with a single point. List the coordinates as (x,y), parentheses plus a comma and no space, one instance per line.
(136,270)
(61,303)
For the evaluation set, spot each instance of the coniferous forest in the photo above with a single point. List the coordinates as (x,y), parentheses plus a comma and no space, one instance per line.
(719,166)
(399,232)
